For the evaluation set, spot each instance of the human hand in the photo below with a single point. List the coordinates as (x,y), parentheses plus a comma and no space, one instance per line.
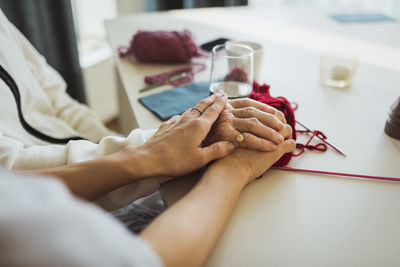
(261,125)
(176,148)
(249,164)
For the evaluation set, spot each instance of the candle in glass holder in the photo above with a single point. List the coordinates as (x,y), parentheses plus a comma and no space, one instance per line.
(337,69)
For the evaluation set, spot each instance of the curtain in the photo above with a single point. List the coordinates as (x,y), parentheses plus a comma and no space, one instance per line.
(177,4)
(170,4)
(215,3)
(48,24)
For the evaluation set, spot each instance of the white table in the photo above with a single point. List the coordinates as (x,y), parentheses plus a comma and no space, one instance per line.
(294,219)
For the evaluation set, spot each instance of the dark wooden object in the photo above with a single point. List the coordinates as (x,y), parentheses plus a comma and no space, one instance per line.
(392,127)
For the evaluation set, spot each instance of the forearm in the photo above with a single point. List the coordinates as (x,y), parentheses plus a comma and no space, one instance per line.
(95,178)
(186,233)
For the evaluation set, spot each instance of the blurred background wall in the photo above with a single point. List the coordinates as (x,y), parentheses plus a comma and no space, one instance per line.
(71,35)
(95,54)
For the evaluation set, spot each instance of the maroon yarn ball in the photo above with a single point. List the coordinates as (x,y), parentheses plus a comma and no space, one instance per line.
(161,47)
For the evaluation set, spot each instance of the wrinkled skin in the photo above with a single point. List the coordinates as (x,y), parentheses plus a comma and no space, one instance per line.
(262,126)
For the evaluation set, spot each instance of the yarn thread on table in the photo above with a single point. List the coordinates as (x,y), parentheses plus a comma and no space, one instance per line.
(178,77)
(262,94)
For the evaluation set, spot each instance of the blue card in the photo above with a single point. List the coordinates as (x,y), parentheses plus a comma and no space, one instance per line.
(358,18)
(177,100)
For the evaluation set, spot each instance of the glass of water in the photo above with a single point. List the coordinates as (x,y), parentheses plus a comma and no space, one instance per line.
(232,70)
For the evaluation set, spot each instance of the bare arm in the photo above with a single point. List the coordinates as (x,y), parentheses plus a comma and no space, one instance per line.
(186,233)
(95,178)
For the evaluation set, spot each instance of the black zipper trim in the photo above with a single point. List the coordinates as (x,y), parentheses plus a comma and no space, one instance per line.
(6,77)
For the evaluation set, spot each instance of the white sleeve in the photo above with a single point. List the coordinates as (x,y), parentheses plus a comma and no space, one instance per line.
(13,155)
(78,116)
(41,224)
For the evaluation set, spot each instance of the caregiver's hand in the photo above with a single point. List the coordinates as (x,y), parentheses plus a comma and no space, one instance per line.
(176,148)
(262,126)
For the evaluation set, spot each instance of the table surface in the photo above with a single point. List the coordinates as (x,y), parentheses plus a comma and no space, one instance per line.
(295,219)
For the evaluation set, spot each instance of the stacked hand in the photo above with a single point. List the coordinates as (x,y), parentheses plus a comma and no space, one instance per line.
(189,141)
(262,127)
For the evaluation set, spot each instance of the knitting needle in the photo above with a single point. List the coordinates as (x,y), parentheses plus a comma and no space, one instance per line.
(393,179)
(155,85)
(323,140)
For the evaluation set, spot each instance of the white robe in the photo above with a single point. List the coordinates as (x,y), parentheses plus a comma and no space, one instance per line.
(48,108)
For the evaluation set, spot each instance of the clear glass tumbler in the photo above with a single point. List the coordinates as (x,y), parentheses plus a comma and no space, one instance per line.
(232,70)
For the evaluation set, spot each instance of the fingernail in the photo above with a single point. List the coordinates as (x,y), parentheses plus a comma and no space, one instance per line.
(281,139)
(274,147)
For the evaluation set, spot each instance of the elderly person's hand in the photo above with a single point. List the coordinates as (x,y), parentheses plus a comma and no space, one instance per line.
(250,124)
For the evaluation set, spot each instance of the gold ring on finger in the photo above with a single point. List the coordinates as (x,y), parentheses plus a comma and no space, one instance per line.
(239,138)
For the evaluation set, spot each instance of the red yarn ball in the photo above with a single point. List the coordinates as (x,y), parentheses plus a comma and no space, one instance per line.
(161,46)
(237,75)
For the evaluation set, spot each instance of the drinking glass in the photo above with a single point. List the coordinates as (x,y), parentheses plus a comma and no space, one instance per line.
(258,52)
(232,70)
